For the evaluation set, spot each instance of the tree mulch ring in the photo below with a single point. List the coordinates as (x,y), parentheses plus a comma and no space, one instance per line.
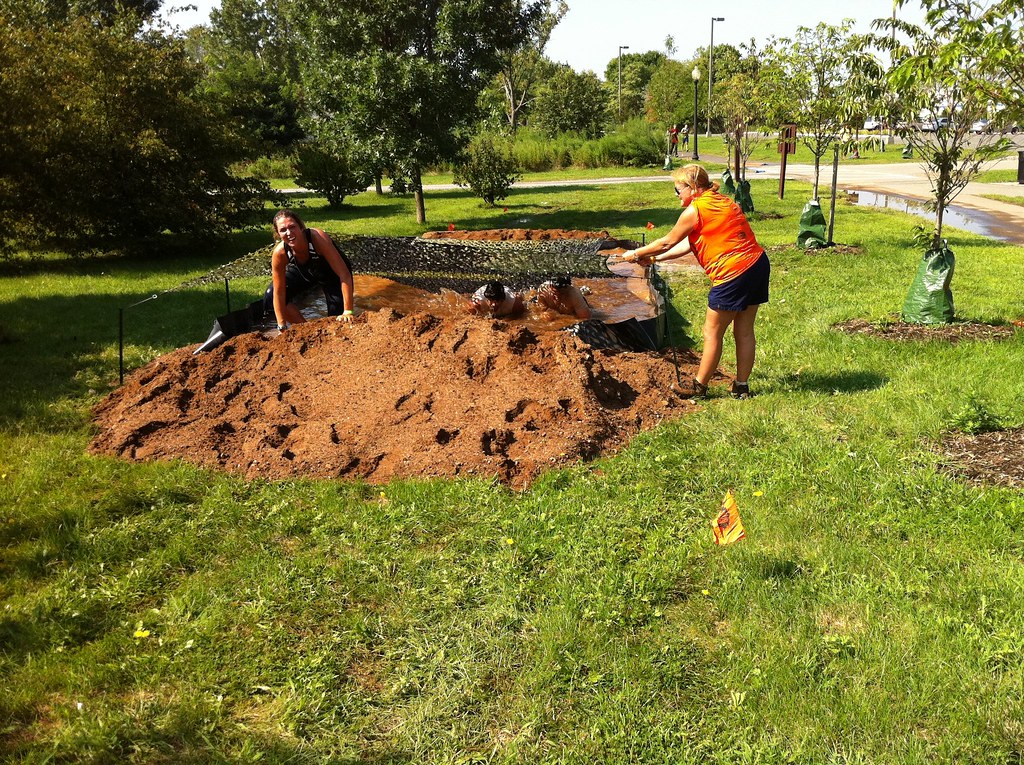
(995,458)
(950,333)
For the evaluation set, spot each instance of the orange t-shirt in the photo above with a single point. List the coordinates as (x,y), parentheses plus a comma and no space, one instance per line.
(722,240)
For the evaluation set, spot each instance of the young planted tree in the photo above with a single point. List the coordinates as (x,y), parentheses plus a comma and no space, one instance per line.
(815,67)
(991,35)
(934,75)
(403,79)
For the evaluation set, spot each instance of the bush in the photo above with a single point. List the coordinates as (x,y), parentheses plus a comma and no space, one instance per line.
(108,144)
(488,169)
(266,168)
(330,171)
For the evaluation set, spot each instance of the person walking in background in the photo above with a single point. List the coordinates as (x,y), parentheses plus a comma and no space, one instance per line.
(685,132)
(720,237)
(306,259)
(673,140)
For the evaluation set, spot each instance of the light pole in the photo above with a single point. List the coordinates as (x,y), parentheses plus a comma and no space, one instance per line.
(711,71)
(696,79)
(621,48)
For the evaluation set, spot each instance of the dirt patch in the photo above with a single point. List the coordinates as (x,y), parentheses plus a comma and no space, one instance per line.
(987,458)
(950,333)
(391,396)
(516,234)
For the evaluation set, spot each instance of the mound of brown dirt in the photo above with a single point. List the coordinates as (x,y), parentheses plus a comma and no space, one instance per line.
(390,396)
(516,234)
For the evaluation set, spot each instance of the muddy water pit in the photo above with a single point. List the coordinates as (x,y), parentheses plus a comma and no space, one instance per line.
(426,392)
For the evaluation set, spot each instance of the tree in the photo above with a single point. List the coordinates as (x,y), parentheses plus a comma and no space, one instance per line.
(571,102)
(934,75)
(523,67)
(815,67)
(990,34)
(252,75)
(99,12)
(670,94)
(107,143)
(637,71)
(403,79)
(488,168)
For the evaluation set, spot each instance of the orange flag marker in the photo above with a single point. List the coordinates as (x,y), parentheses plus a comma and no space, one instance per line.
(649,225)
(451,226)
(727,526)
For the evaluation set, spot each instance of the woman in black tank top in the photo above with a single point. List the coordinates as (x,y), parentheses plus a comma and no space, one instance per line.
(306,258)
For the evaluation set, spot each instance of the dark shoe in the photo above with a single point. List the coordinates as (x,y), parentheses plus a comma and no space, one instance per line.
(740,390)
(700,390)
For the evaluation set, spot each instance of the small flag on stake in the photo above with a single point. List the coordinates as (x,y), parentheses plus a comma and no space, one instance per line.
(505,210)
(728,526)
(649,225)
(451,226)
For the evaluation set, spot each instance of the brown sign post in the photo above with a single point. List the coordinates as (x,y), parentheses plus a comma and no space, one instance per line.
(787,146)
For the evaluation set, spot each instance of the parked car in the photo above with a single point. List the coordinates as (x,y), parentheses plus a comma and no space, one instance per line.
(932,126)
(873,123)
(981,126)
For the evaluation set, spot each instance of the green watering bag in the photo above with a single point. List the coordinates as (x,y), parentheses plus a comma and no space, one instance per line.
(743,197)
(812,227)
(930,301)
(728,187)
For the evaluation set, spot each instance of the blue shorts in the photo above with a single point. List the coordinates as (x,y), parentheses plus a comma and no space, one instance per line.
(747,289)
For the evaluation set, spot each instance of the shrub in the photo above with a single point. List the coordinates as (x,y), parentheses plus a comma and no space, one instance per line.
(330,171)
(488,169)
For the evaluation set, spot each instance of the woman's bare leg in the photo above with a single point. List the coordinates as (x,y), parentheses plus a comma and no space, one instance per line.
(715,324)
(746,343)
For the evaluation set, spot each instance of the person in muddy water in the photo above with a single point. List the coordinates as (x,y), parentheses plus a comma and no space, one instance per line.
(303,260)
(716,231)
(495,299)
(559,294)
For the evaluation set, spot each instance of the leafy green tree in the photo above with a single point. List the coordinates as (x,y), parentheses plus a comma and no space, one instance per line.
(571,102)
(991,35)
(403,79)
(815,68)
(107,143)
(523,67)
(334,171)
(637,71)
(670,94)
(488,169)
(100,12)
(249,52)
(934,75)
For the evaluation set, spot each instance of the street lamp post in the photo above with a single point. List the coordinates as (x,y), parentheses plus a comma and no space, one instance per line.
(711,70)
(621,48)
(696,79)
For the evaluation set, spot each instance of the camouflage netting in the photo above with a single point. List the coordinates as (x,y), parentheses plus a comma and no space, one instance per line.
(432,264)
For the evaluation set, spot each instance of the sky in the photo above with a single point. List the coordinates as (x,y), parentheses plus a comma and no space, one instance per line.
(590,34)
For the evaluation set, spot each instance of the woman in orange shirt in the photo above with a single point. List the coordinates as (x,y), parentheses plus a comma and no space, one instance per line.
(716,231)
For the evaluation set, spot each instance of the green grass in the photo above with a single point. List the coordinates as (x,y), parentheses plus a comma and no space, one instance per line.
(874,614)
(1005,198)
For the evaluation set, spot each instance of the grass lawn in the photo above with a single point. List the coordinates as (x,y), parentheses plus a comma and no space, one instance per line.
(874,614)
